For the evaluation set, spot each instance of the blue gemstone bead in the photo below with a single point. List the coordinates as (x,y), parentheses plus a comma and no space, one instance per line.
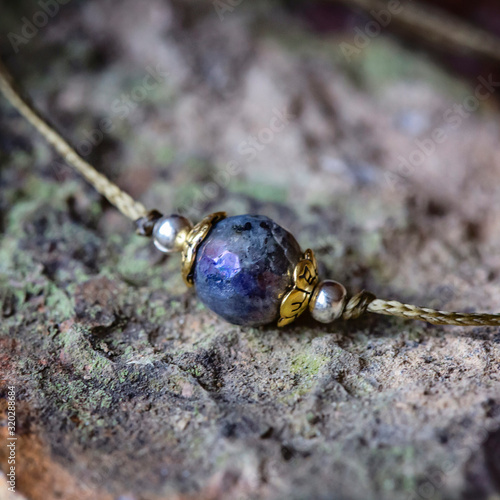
(244,267)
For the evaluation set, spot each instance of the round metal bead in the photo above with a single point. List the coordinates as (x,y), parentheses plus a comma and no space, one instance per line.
(170,233)
(327,301)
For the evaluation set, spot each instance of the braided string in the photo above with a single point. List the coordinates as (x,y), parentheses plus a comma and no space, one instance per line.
(121,200)
(367,302)
(395,308)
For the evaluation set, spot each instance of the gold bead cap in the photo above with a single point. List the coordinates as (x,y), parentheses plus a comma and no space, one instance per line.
(193,240)
(305,278)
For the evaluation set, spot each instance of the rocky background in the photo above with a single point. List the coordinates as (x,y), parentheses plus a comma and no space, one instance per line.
(385,161)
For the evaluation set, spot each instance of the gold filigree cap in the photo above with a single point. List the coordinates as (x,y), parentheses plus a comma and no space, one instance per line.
(193,241)
(305,278)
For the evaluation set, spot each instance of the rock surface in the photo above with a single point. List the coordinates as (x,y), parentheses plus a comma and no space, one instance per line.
(126,386)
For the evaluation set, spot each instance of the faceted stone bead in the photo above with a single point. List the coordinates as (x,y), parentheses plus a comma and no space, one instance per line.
(244,267)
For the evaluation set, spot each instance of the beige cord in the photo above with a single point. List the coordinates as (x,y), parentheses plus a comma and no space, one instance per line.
(395,308)
(121,200)
(367,302)
(355,307)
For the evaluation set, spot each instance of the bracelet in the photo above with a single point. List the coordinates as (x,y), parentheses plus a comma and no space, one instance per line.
(245,268)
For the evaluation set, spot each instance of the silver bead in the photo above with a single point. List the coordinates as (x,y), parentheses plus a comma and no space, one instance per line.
(327,301)
(170,232)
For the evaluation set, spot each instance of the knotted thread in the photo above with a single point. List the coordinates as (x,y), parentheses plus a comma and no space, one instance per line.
(144,225)
(357,305)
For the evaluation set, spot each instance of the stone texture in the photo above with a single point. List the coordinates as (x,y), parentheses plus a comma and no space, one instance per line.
(127,386)
(244,267)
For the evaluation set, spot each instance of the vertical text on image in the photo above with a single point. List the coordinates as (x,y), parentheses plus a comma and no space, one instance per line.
(11,438)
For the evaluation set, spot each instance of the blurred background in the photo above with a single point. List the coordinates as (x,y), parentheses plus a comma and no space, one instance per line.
(370,129)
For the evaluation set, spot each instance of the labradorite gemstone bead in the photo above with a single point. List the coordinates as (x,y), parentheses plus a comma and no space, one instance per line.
(244,267)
